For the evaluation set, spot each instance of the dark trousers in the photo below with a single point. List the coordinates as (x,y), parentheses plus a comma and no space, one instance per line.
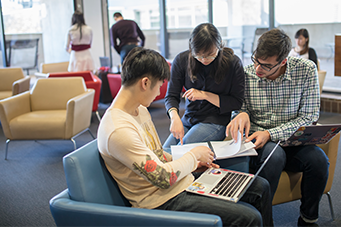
(125,51)
(310,159)
(254,209)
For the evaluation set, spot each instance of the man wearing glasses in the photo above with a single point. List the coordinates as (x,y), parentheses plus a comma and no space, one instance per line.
(281,94)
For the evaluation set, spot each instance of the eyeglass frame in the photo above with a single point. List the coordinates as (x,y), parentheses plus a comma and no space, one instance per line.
(266,68)
(207,58)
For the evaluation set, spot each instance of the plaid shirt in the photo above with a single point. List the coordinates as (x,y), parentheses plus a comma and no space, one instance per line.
(280,106)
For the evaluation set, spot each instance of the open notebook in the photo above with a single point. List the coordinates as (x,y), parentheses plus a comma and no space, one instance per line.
(312,134)
(221,149)
(225,184)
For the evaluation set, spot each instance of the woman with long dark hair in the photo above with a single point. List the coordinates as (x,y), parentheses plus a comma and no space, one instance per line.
(302,49)
(213,78)
(78,44)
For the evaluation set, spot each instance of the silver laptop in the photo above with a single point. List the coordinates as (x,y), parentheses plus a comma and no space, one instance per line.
(225,184)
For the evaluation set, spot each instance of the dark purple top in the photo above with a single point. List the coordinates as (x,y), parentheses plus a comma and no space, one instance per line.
(127,31)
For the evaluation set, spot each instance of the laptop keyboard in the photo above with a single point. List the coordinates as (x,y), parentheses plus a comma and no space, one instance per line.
(230,184)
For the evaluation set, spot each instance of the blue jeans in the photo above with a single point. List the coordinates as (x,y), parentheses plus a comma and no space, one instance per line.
(203,132)
(125,51)
(310,159)
(254,209)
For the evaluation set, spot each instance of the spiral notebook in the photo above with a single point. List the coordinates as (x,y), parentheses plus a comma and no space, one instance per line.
(225,184)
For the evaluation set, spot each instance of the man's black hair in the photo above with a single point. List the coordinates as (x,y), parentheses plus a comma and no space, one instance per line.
(141,62)
(273,43)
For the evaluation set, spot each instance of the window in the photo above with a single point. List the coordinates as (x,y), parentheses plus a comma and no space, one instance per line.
(322,19)
(237,21)
(26,22)
(145,13)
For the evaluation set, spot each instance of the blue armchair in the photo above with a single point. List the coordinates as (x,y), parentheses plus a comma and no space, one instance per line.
(94,199)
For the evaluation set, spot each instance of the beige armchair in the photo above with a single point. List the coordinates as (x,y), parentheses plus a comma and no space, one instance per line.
(55,108)
(321,75)
(46,68)
(13,82)
(289,186)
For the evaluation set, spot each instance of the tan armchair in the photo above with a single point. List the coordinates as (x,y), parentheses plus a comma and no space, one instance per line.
(55,108)
(289,186)
(13,82)
(46,68)
(321,74)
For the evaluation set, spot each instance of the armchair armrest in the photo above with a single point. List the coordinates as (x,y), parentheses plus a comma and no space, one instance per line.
(41,75)
(12,107)
(21,85)
(67,212)
(78,113)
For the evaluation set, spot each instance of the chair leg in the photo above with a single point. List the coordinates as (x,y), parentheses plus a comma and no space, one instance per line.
(98,116)
(74,143)
(7,142)
(73,138)
(331,205)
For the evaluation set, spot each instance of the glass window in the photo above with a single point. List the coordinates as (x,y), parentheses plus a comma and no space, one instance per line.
(238,20)
(322,20)
(145,13)
(182,18)
(31,37)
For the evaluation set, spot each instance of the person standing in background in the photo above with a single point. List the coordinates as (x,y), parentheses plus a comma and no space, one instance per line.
(128,33)
(78,43)
(302,49)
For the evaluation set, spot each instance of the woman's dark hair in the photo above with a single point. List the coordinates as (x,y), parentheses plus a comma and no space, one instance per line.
(203,39)
(273,43)
(78,18)
(305,34)
(142,62)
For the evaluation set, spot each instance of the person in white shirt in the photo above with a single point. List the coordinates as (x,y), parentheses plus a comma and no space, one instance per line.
(302,49)
(78,44)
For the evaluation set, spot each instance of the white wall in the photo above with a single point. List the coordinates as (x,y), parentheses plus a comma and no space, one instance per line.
(93,17)
(56,20)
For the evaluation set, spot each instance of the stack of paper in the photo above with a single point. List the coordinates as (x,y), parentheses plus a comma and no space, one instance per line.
(222,149)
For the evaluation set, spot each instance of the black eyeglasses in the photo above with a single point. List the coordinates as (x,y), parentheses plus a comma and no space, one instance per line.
(266,68)
(212,57)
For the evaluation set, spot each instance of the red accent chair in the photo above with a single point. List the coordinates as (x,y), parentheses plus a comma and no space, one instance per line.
(114,81)
(91,81)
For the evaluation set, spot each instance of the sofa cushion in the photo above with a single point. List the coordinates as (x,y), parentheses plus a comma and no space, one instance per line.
(47,125)
(5,94)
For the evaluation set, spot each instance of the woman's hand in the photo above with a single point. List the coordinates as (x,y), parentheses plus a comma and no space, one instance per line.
(194,94)
(177,128)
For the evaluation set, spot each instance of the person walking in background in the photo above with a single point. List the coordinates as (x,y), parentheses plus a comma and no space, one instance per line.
(213,77)
(78,43)
(302,49)
(128,33)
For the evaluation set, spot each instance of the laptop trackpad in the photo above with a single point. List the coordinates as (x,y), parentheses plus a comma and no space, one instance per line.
(208,179)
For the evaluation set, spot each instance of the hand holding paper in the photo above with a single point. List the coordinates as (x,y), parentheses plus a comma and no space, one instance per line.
(222,149)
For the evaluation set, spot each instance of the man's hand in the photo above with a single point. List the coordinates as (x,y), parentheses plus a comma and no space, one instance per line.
(203,166)
(261,137)
(240,123)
